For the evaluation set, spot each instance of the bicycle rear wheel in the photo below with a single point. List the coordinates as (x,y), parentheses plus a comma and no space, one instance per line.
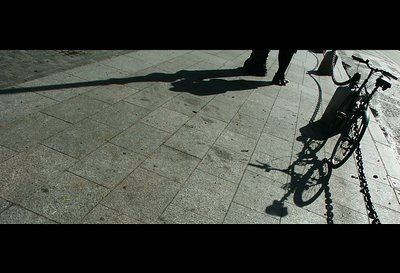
(349,139)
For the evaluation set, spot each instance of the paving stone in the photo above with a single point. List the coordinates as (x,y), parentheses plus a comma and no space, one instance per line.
(383,195)
(111,94)
(239,214)
(268,144)
(186,104)
(104,215)
(296,215)
(392,166)
(285,114)
(16,106)
(255,110)
(6,153)
(31,129)
(394,183)
(280,128)
(191,141)
(145,78)
(177,215)
(60,86)
(346,193)
(17,215)
(387,215)
(96,72)
(376,133)
(165,119)
(143,195)
(127,63)
(37,163)
(224,163)
(246,125)
(26,65)
(259,193)
(206,195)
(220,110)
(152,97)
(121,115)
(4,204)
(81,138)
(65,199)
(238,143)
(75,109)
(376,172)
(291,105)
(171,163)
(265,96)
(277,169)
(141,138)
(210,126)
(108,165)
(344,215)
(234,97)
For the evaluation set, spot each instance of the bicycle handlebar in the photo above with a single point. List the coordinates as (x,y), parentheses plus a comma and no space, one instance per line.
(385,73)
(358,59)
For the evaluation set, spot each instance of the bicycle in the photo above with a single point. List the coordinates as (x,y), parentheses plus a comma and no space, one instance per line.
(351,120)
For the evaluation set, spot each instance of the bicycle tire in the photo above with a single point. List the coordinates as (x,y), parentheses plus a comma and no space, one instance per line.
(312,184)
(349,139)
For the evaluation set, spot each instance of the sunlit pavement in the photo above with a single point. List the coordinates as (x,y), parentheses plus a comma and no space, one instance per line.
(183,136)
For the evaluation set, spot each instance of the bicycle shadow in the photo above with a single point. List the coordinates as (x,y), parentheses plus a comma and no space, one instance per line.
(309,177)
(197,82)
(306,185)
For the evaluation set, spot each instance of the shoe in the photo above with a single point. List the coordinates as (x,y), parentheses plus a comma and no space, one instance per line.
(279,80)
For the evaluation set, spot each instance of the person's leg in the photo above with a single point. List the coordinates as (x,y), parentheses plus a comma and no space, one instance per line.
(284,58)
(256,64)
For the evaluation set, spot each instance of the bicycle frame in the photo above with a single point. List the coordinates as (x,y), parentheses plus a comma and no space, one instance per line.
(354,115)
(362,99)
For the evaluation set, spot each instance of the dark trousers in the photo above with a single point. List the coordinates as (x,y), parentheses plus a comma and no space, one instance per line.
(258,58)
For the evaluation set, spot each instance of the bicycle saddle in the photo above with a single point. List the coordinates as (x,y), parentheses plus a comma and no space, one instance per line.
(380,82)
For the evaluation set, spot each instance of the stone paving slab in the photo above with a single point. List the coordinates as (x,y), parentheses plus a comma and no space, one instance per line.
(16,106)
(65,199)
(180,136)
(18,215)
(104,215)
(141,138)
(207,195)
(18,66)
(108,165)
(36,163)
(143,195)
(81,139)
(29,130)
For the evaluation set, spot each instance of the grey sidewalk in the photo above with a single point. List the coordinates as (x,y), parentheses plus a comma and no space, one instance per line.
(180,136)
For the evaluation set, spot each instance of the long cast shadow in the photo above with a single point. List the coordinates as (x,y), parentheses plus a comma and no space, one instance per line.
(306,186)
(198,82)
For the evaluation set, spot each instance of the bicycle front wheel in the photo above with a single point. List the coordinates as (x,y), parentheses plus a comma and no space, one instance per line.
(349,139)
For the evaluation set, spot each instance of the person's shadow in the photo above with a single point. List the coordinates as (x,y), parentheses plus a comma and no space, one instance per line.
(197,82)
